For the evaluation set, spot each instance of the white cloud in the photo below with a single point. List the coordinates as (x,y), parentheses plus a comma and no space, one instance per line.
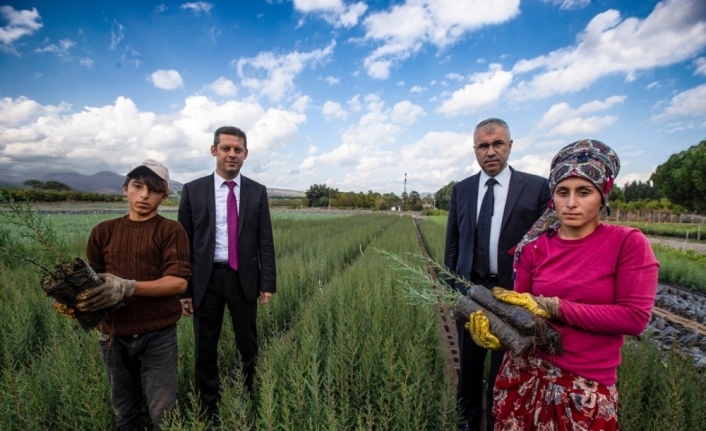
(653,84)
(418,89)
(569,4)
(61,49)
(335,12)
(700,64)
(19,23)
(166,79)
(689,103)
(87,62)
(117,136)
(14,112)
(161,8)
(301,104)
(582,126)
(223,87)
(406,113)
(562,112)
(117,34)
(280,70)
(330,80)
(197,7)
(333,111)
(673,32)
(405,28)
(483,90)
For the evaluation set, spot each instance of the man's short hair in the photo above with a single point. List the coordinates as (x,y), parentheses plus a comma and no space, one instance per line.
(229,130)
(493,122)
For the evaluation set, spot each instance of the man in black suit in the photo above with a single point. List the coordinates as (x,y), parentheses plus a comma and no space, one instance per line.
(519,200)
(221,277)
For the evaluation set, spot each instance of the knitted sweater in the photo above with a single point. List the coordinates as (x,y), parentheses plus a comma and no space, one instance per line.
(143,251)
(606,284)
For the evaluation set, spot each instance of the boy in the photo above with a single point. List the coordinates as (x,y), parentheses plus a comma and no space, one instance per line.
(144,260)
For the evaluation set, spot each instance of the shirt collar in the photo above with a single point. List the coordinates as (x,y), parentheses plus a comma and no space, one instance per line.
(503,178)
(219,180)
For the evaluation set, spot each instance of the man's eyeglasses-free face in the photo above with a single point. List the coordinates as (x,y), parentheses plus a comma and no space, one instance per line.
(497,146)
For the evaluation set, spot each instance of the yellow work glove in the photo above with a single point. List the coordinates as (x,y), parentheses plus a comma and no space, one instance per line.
(540,305)
(64,309)
(479,327)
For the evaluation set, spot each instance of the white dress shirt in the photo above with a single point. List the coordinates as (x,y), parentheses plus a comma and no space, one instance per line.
(500,189)
(222,190)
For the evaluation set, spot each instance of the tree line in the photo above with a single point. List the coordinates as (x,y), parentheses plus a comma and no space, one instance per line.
(52,195)
(677,185)
(322,196)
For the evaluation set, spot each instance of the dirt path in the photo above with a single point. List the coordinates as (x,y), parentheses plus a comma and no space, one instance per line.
(698,247)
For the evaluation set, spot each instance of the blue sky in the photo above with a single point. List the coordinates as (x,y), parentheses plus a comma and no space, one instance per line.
(354,94)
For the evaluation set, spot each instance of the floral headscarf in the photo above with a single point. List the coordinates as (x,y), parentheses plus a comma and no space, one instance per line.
(589,159)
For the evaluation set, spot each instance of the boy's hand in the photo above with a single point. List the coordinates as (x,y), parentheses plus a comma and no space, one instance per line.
(114,290)
(187,307)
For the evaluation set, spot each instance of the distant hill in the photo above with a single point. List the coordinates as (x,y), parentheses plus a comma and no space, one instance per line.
(105,182)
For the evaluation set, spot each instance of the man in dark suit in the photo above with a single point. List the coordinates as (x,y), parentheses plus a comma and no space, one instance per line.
(229,268)
(519,200)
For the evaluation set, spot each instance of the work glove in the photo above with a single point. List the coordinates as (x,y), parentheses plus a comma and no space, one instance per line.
(479,327)
(546,307)
(114,290)
(64,309)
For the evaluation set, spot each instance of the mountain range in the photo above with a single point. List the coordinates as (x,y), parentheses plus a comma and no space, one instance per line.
(103,182)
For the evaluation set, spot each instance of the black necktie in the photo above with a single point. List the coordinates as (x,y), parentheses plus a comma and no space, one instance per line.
(481,255)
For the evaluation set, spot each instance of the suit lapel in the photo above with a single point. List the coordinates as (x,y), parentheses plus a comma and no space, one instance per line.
(513,193)
(244,193)
(211,205)
(473,200)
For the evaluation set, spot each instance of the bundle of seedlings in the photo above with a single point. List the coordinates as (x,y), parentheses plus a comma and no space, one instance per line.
(517,328)
(37,238)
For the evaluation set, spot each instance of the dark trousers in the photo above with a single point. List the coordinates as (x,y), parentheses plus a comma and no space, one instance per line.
(471,371)
(150,359)
(223,289)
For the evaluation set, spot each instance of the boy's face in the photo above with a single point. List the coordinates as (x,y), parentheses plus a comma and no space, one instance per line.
(142,203)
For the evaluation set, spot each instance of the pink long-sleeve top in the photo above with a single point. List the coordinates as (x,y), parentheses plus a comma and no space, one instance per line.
(606,283)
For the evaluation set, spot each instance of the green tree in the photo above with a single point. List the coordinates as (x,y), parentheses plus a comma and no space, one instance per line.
(639,191)
(617,194)
(415,201)
(443,196)
(56,185)
(318,191)
(35,184)
(682,178)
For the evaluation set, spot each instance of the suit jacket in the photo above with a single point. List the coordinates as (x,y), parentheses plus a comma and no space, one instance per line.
(527,199)
(256,249)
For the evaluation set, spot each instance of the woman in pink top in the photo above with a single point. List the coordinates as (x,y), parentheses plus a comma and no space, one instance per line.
(596,282)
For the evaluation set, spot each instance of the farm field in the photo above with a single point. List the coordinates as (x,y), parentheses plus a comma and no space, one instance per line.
(341,346)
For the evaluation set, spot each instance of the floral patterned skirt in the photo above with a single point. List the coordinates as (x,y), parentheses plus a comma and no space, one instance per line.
(532,394)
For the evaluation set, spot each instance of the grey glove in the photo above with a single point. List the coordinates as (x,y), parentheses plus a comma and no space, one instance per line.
(114,290)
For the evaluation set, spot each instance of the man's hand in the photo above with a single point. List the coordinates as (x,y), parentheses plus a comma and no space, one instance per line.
(265,297)
(187,307)
(114,290)
(479,327)
(539,305)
